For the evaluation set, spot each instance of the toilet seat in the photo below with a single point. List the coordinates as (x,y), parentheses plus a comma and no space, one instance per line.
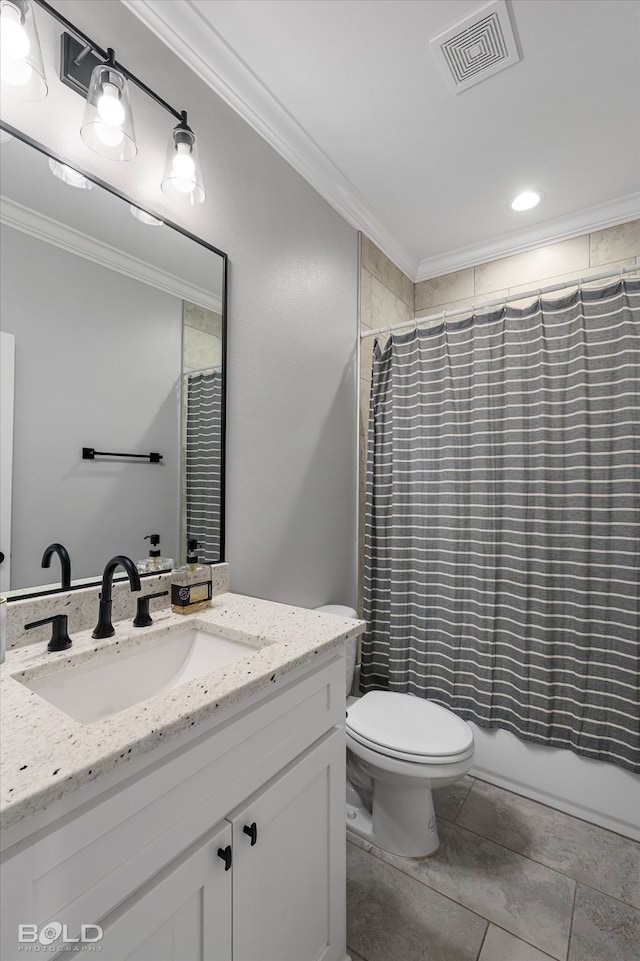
(409,728)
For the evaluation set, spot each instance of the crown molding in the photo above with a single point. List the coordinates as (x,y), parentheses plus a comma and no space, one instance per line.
(193,39)
(549,232)
(74,241)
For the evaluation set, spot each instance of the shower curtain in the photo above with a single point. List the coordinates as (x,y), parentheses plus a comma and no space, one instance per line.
(502,546)
(203,461)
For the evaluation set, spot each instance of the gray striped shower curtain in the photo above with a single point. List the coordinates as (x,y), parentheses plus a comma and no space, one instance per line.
(203,459)
(502,546)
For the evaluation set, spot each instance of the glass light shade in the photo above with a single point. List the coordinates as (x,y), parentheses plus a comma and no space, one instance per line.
(107,125)
(68,175)
(182,179)
(21,66)
(144,217)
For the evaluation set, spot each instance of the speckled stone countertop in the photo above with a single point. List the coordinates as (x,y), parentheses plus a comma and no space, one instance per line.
(45,755)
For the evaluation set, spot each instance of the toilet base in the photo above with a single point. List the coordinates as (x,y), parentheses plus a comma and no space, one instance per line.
(402,820)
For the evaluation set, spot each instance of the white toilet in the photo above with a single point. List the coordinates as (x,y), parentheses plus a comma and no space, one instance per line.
(399,747)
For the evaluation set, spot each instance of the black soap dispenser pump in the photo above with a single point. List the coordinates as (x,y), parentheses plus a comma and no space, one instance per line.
(154,563)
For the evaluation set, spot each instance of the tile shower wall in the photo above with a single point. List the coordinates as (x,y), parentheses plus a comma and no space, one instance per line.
(554,263)
(202,337)
(388,297)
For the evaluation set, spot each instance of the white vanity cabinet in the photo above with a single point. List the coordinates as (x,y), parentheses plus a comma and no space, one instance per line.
(184,912)
(229,846)
(282,893)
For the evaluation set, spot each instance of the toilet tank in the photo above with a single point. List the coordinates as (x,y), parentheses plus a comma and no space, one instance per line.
(351,646)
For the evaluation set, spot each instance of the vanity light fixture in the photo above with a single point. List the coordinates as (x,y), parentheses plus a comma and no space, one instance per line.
(68,175)
(182,179)
(144,217)
(526,200)
(21,67)
(107,125)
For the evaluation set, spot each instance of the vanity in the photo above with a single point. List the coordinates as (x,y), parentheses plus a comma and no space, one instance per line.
(204,822)
(146,814)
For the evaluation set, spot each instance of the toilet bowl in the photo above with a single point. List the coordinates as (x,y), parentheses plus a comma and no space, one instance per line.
(399,747)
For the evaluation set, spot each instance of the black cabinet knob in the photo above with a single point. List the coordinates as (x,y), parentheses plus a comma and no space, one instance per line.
(225,854)
(252,831)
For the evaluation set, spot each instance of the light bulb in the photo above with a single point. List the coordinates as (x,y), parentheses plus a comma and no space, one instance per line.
(183,165)
(109,135)
(183,169)
(110,110)
(16,73)
(15,41)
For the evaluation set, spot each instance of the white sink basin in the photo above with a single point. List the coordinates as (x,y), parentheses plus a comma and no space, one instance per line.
(99,689)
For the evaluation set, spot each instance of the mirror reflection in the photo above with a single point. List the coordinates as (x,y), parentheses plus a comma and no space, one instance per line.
(113,337)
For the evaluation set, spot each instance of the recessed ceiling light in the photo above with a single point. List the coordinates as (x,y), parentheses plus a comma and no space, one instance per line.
(526,200)
(144,217)
(68,175)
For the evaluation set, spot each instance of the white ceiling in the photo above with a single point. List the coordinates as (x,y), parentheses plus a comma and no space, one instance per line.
(350,93)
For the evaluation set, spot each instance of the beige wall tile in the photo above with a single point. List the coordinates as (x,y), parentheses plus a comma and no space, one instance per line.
(365,299)
(200,350)
(570,279)
(202,319)
(532,266)
(379,265)
(366,352)
(365,387)
(615,243)
(443,290)
(386,308)
(408,292)
(447,305)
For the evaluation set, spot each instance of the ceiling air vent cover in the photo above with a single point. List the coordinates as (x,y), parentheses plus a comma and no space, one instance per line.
(477,47)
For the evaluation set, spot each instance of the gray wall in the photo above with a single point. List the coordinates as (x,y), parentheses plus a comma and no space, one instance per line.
(291,468)
(97,364)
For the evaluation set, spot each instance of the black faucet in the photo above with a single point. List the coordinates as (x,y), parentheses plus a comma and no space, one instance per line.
(65,562)
(104,627)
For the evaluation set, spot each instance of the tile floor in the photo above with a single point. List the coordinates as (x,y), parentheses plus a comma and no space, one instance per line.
(514,880)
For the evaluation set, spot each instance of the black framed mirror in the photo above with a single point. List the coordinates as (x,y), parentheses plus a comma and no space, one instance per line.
(117,330)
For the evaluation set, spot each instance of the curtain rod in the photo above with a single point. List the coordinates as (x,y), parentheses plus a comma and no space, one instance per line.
(442,315)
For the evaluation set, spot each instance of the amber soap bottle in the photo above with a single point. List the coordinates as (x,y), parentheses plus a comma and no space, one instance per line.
(191,587)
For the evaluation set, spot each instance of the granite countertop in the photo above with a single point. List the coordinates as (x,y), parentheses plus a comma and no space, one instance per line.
(45,755)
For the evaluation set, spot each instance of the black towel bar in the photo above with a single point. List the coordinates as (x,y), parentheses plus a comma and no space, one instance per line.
(89,453)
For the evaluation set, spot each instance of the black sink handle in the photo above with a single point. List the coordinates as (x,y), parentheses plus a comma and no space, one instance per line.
(60,639)
(143,618)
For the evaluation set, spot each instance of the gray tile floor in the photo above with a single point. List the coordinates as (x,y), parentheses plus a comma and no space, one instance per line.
(514,880)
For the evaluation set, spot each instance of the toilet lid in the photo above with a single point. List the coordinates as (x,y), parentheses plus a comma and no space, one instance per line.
(409,725)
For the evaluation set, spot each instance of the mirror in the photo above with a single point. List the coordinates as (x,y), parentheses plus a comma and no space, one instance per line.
(118,334)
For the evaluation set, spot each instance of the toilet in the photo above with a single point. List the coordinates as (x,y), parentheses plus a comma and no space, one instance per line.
(399,747)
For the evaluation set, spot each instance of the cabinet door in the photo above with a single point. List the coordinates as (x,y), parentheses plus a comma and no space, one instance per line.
(182,914)
(288,862)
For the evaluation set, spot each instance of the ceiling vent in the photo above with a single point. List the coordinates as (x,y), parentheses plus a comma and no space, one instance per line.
(477,47)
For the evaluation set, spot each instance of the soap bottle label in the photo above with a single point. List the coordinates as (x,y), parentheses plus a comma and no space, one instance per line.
(186,595)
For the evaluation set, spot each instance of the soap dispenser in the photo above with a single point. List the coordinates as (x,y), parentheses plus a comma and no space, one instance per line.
(191,584)
(154,563)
